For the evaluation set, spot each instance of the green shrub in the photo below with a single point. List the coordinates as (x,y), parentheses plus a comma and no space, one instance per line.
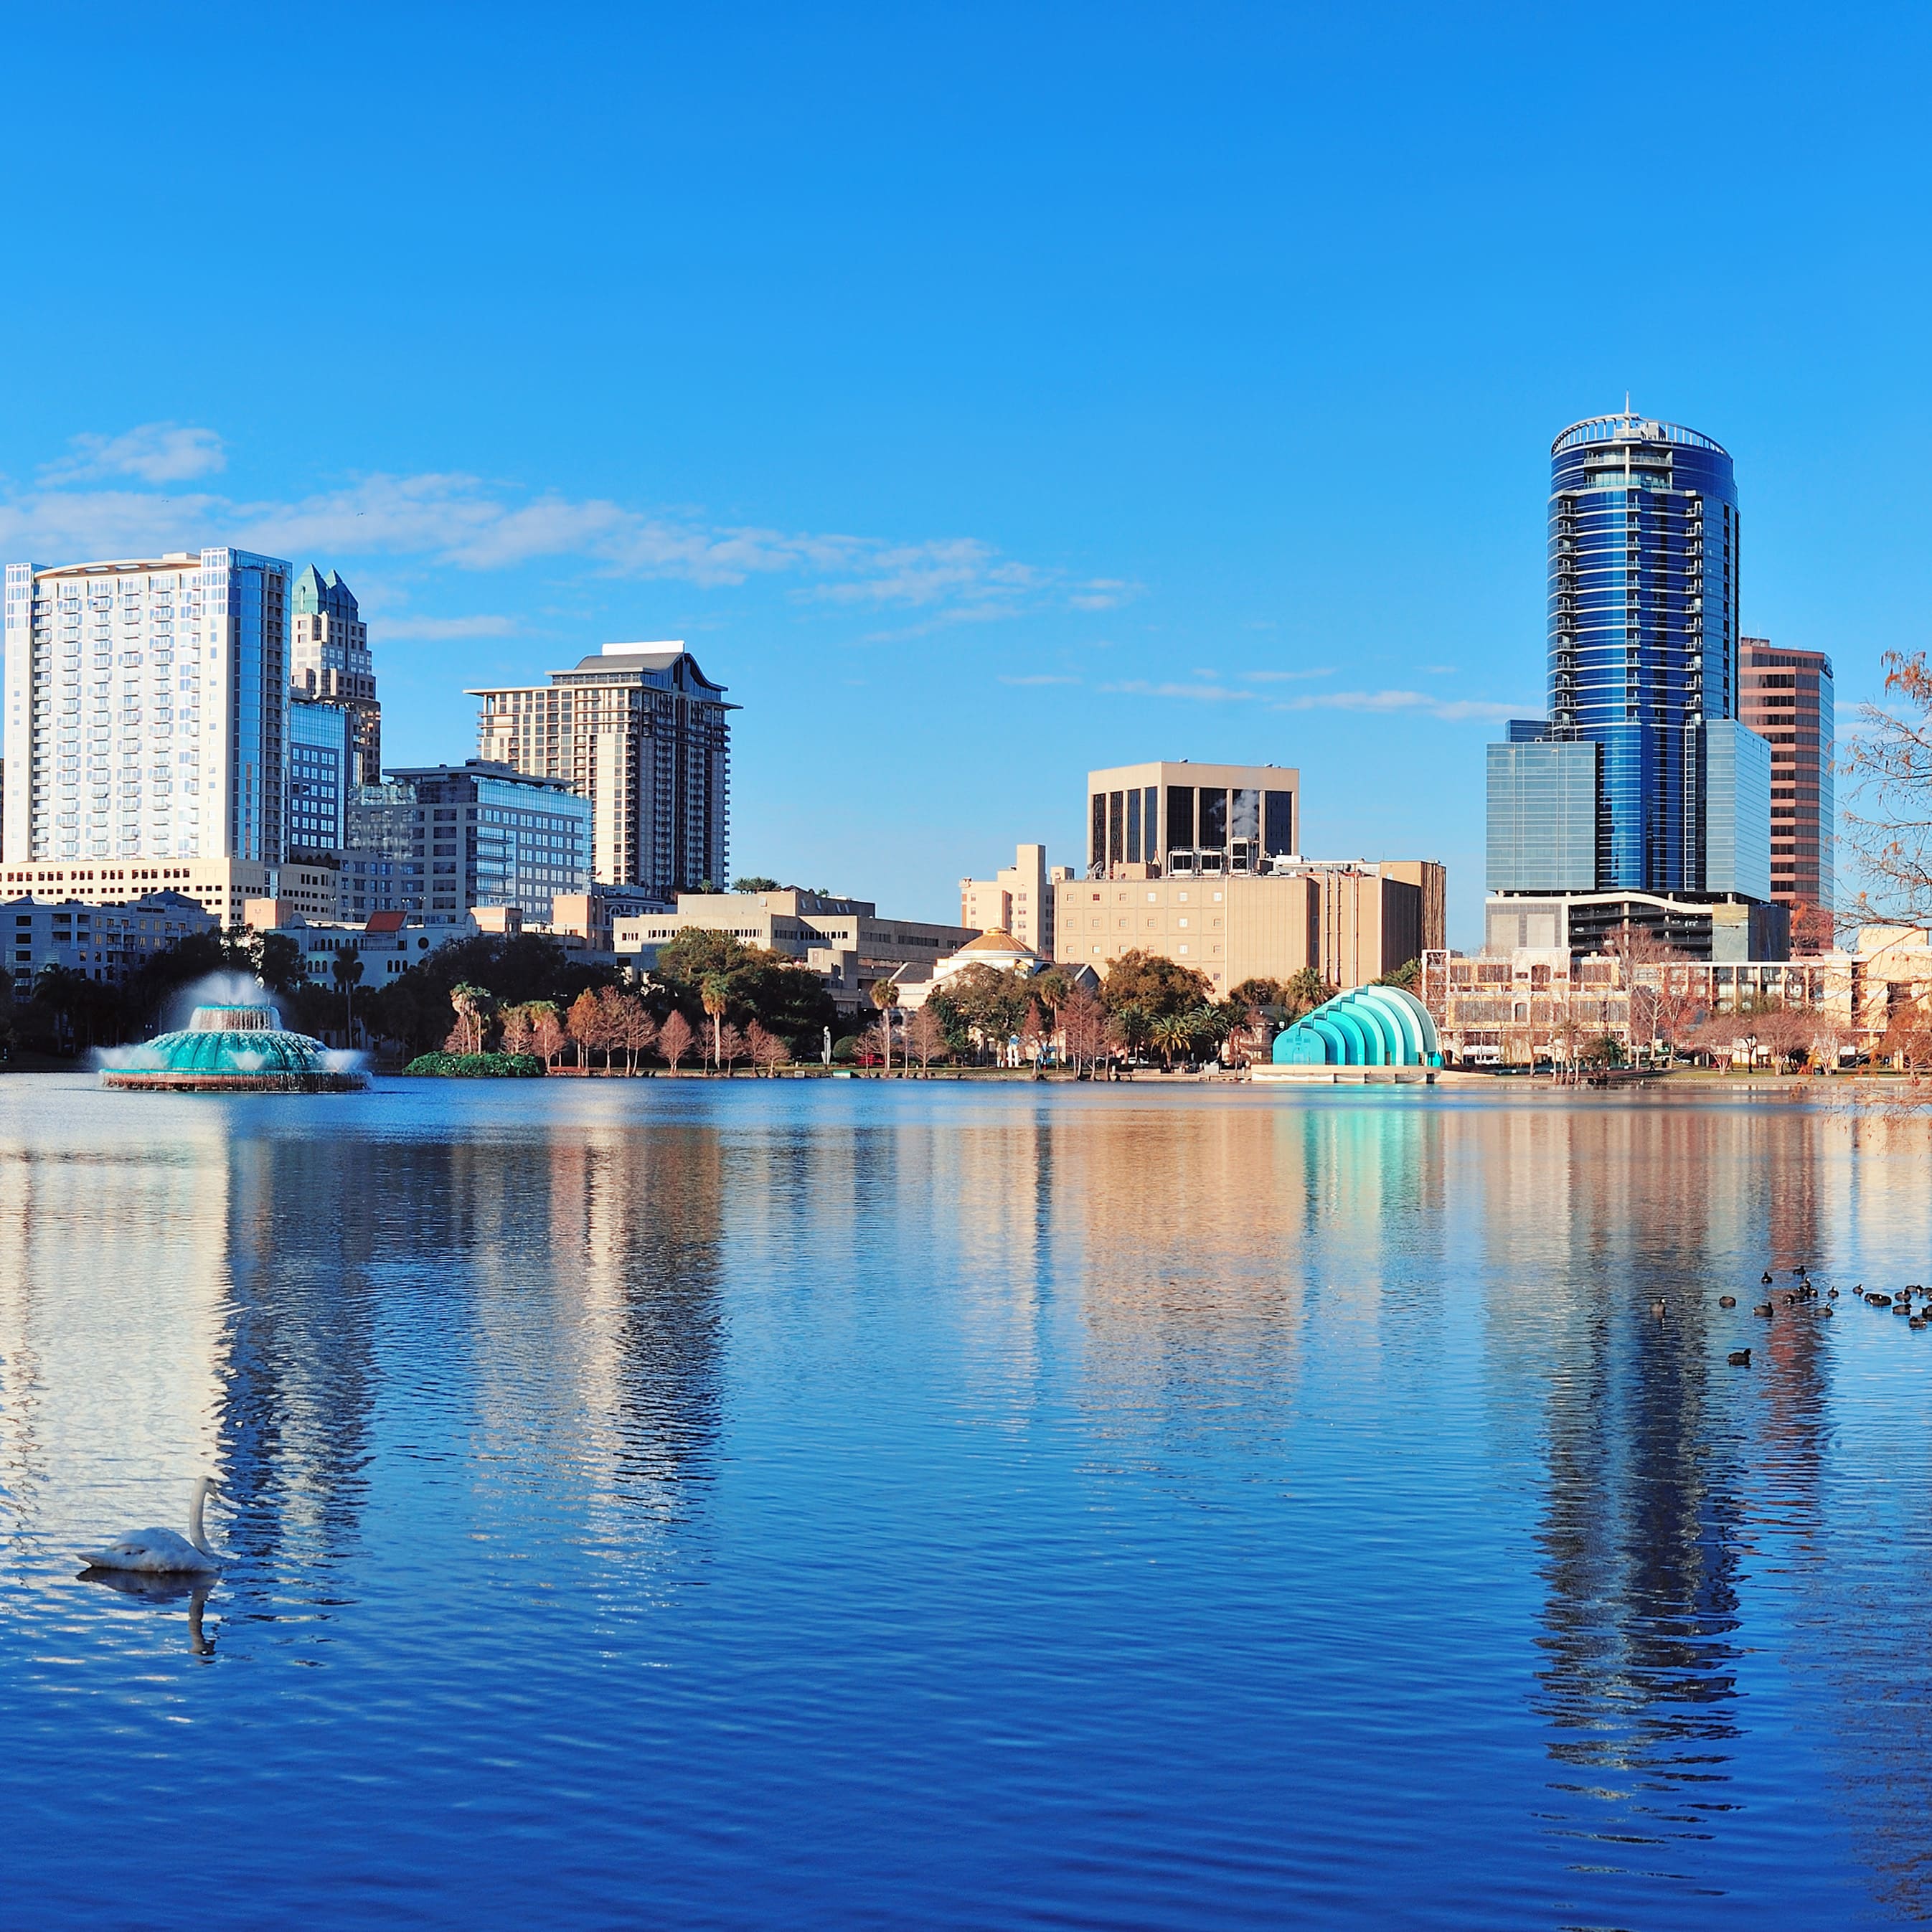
(477,1066)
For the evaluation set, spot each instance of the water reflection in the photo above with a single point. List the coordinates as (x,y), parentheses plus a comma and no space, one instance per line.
(299,1372)
(163,1592)
(1303,1479)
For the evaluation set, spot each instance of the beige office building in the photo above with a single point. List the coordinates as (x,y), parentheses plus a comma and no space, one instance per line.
(1159,819)
(844,939)
(1352,920)
(1018,899)
(221,887)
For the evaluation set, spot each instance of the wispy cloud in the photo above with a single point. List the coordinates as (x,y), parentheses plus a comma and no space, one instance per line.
(437,629)
(1284,676)
(1451,711)
(156,452)
(1438,670)
(1211,694)
(1040,677)
(473,523)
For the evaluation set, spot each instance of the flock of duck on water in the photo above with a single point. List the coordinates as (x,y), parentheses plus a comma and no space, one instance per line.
(1803,1290)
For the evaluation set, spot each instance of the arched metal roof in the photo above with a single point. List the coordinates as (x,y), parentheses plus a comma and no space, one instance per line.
(1373,1026)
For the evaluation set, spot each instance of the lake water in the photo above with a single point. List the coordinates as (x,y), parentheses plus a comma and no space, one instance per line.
(853,1505)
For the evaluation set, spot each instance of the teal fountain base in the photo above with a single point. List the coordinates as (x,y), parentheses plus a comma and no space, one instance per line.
(233,1050)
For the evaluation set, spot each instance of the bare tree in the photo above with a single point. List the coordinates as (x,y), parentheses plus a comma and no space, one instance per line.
(587,1026)
(767,1049)
(925,1037)
(1642,960)
(517,1029)
(614,1009)
(1083,1027)
(1889,762)
(1907,1040)
(675,1038)
(635,1028)
(732,1047)
(1032,1035)
(547,1034)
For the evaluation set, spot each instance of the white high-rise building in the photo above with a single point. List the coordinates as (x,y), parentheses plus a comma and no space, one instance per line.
(147,709)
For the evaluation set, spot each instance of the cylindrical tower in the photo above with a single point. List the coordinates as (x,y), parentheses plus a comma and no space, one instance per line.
(1643,631)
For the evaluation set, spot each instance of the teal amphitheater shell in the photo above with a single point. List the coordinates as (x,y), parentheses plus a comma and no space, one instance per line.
(1373,1026)
(231,1049)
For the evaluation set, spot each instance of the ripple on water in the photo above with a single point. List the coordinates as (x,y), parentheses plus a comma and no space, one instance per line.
(787,1504)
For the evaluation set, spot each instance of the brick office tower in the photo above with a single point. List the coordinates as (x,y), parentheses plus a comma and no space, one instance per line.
(1786,697)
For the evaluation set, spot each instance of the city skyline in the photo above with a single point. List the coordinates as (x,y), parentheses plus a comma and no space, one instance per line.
(899,441)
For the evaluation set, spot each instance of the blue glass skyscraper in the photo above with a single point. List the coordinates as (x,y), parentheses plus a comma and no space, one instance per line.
(1643,635)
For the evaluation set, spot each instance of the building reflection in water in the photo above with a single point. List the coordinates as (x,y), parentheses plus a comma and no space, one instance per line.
(1203,1241)
(299,1373)
(1652,1452)
(113,1276)
(595,1255)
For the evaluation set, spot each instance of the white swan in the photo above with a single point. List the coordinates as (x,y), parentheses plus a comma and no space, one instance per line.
(161,1552)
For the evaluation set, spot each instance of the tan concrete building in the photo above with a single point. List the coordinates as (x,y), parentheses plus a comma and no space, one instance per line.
(1018,899)
(221,887)
(644,734)
(1511,1008)
(1352,921)
(844,939)
(1157,820)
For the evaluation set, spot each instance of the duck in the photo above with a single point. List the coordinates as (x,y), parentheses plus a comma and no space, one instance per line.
(1727,1301)
(163,1552)
(1740,1358)
(1765,1279)
(1831,1295)
(1660,1308)
(1763,1308)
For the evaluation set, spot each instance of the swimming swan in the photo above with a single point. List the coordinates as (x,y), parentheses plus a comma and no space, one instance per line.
(161,1552)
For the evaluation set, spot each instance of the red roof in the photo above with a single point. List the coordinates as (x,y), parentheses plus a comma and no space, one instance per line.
(385,922)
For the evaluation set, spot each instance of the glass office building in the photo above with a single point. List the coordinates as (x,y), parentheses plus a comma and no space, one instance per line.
(322,756)
(1542,815)
(1643,549)
(438,839)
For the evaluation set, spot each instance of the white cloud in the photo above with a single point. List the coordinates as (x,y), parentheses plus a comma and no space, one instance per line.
(1137,687)
(1452,711)
(1285,676)
(1040,677)
(156,452)
(468,523)
(1103,593)
(439,627)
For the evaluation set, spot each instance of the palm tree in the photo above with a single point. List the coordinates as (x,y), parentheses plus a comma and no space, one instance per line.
(713,994)
(885,996)
(1173,1032)
(347,973)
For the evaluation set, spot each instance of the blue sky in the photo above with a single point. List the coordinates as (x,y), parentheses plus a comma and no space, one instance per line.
(982,393)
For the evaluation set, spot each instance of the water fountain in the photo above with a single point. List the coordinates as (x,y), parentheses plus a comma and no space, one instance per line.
(238,1048)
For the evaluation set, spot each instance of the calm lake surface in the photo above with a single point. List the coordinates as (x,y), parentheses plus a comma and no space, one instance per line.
(856,1504)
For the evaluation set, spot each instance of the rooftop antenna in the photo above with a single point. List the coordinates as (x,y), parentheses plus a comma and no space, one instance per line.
(1627,407)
